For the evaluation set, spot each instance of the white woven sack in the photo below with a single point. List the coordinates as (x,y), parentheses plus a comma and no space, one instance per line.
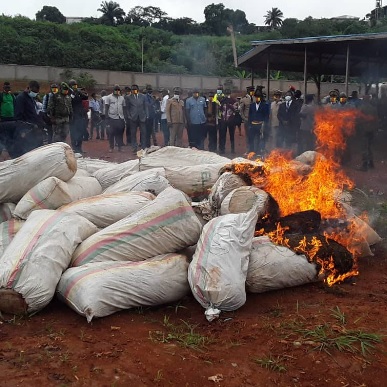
(243,198)
(104,210)
(93,165)
(153,181)
(226,183)
(196,180)
(6,210)
(53,193)
(217,273)
(171,156)
(19,175)
(274,267)
(8,230)
(165,225)
(81,173)
(33,262)
(100,289)
(110,175)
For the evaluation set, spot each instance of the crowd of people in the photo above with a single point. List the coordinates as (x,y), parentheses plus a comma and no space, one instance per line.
(131,117)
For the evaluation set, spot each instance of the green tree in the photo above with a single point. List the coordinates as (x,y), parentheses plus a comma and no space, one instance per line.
(112,13)
(51,14)
(273,18)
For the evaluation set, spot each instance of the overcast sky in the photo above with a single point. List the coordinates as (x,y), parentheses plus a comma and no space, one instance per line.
(254,9)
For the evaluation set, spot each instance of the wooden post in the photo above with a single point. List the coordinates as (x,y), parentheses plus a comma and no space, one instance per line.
(268,75)
(305,72)
(347,71)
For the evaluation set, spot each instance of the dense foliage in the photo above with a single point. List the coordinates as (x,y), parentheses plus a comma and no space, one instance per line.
(114,41)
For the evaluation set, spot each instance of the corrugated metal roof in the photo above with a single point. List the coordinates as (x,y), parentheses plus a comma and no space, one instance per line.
(325,54)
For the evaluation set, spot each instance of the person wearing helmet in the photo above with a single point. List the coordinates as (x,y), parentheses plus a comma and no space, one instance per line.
(333,98)
(54,89)
(77,122)
(59,110)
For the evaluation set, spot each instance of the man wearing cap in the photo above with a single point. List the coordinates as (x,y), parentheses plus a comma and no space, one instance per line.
(114,113)
(175,118)
(59,110)
(77,121)
(196,118)
(288,117)
(137,111)
(149,123)
(95,116)
(333,98)
(244,107)
(259,112)
(228,107)
(128,92)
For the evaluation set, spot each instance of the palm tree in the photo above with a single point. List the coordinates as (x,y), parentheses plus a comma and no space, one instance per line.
(273,18)
(112,12)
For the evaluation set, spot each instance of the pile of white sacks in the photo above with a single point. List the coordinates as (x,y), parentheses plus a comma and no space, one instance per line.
(106,237)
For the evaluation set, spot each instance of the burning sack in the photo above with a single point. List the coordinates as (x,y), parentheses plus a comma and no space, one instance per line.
(153,181)
(6,210)
(273,267)
(104,210)
(195,180)
(171,156)
(33,263)
(100,289)
(113,173)
(8,231)
(243,199)
(19,175)
(52,193)
(217,273)
(93,165)
(226,183)
(165,225)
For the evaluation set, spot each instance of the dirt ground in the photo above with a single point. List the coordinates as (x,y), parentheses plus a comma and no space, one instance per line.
(305,336)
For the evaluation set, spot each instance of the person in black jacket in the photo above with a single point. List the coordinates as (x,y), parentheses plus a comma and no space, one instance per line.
(77,121)
(289,122)
(259,112)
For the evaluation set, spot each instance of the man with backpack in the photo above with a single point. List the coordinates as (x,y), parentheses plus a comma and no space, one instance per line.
(60,110)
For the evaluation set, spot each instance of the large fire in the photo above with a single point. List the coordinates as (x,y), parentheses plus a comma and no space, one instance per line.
(318,189)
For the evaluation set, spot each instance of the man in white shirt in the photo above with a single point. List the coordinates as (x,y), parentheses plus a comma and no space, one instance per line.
(114,113)
(164,122)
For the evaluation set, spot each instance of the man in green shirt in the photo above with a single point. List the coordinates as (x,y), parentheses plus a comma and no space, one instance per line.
(7,103)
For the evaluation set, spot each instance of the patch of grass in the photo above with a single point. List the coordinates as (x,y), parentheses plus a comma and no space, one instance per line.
(159,376)
(271,363)
(339,315)
(183,334)
(178,306)
(328,337)
(64,357)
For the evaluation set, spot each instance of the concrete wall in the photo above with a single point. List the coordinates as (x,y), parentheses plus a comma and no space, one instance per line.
(107,79)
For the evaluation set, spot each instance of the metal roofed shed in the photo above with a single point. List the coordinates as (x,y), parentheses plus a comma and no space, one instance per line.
(349,55)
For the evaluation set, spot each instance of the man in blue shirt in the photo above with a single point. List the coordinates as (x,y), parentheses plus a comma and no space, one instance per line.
(196,118)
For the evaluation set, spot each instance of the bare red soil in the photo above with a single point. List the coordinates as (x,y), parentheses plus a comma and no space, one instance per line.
(292,337)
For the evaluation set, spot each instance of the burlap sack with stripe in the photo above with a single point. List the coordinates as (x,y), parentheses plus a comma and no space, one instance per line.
(165,225)
(217,273)
(53,193)
(34,261)
(273,267)
(171,156)
(153,181)
(19,175)
(6,210)
(104,210)
(100,289)
(8,230)
(194,180)
(113,173)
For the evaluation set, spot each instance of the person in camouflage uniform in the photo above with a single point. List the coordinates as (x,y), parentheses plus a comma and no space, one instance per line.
(60,110)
